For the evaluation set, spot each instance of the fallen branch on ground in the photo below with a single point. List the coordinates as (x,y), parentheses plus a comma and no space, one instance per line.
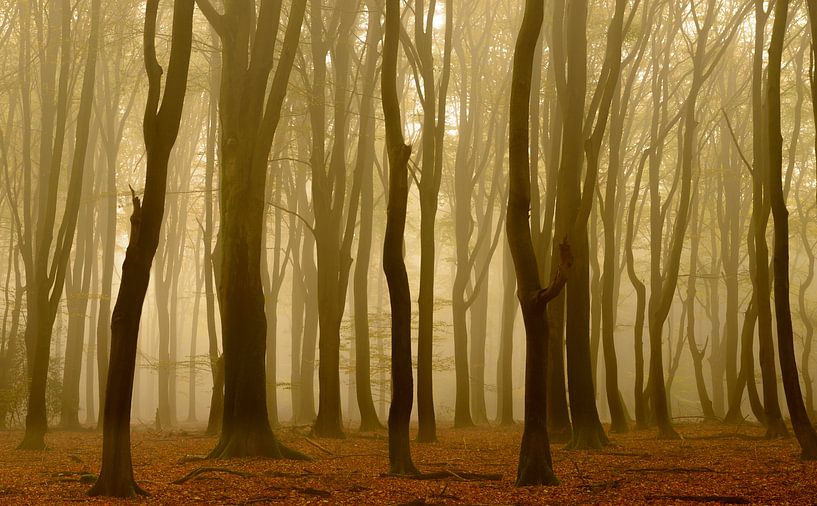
(192,458)
(725,499)
(319,447)
(198,472)
(671,470)
(441,475)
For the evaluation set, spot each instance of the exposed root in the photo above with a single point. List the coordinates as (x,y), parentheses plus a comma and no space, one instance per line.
(319,447)
(195,473)
(441,475)
(671,470)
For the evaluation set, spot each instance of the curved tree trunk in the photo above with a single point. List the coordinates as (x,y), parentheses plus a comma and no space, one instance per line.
(161,126)
(393,265)
(806,435)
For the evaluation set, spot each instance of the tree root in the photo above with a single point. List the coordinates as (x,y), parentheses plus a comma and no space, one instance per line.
(319,447)
(198,472)
(671,470)
(192,458)
(441,475)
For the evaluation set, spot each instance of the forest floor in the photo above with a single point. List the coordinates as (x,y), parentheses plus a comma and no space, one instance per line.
(712,463)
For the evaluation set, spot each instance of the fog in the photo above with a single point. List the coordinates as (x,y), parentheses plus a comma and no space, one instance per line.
(218,206)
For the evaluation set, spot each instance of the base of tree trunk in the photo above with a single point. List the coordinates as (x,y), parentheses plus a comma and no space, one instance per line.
(620,428)
(426,436)
(534,468)
(463,423)
(33,441)
(370,425)
(733,417)
(560,434)
(258,444)
(808,454)
(123,487)
(666,432)
(776,428)
(330,430)
(587,438)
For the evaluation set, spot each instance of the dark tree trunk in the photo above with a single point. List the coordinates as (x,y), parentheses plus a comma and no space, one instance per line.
(775,426)
(249,110)
(535,464)
(394,266)
(803,429)
(161,126)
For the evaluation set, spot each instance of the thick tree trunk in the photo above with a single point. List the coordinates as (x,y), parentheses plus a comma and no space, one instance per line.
(250,110)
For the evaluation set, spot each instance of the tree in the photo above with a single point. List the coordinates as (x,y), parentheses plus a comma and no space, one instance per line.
(393,265)
(365,167)
(433,102)
(249,114)
(535,463)
(335,211)
(46,279)
(161,127)
(761,282)
(803,429)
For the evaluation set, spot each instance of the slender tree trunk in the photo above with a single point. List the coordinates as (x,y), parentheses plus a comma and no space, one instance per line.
(45,280)
(803,429)
(535,464)
(393,265)
(161,126)
(365,166)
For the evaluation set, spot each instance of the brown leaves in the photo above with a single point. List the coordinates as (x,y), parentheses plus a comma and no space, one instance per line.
(469,466)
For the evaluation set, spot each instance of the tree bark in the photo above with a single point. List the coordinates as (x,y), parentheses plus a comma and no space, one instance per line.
(394,266)
(806,435)
(161,126)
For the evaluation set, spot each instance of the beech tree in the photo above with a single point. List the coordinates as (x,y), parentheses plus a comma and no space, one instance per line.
(163,112)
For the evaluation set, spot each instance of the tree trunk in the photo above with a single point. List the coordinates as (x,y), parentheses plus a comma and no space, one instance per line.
(775,426)
(161,126)
(394,266)
(45,280)
(803,429)
(365,167)
(535,463)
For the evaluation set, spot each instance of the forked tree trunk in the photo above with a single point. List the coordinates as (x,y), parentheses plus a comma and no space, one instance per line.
(535,463)
(761,281)
(249,115)
(161,126)
(45,280)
